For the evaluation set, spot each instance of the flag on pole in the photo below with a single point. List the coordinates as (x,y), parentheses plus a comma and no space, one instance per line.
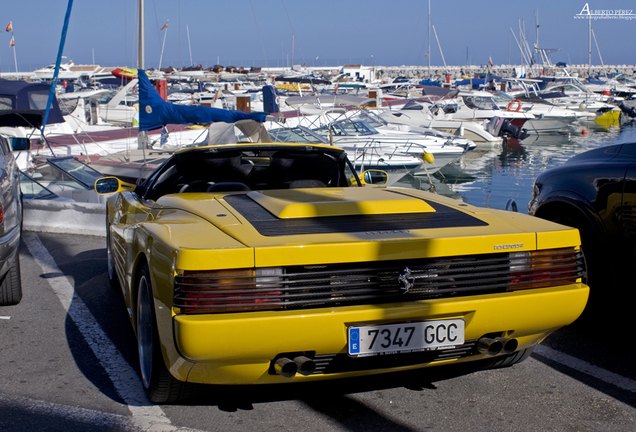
(490,62)
(163,140)
(165,26)
(12,43)
(9,27)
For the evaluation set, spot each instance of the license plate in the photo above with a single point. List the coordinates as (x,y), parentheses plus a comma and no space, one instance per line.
(407,337)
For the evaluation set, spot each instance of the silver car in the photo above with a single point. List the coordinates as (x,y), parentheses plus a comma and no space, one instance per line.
(10,227)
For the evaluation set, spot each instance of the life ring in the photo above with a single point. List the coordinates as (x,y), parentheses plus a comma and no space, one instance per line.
(511,104)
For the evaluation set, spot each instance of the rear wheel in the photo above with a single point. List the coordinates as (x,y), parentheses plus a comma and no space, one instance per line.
(11,285)
(160,385)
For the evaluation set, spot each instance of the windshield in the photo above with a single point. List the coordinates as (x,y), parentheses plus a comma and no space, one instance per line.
(67,106)
(503,97)
(77,170)
(372,119)
(32,189)
(358,128)
(568,89)
(480,102)
(295,135)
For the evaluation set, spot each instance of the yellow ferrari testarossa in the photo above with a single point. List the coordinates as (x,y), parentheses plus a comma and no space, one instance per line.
(272,263)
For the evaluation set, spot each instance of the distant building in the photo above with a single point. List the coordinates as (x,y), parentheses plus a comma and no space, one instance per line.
(359,72)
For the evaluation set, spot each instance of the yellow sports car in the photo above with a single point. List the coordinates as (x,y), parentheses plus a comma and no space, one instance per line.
(272,263)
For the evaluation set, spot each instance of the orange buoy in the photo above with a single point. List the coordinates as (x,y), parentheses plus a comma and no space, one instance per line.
(584,132)
(514,105)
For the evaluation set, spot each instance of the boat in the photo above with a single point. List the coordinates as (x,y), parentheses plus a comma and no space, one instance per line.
(571,93)
(478,106)
(417,113)
(66,72)
(356,132)
(395,163)
(125,73)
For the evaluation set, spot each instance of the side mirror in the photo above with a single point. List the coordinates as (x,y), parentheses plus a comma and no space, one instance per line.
(109,185)
(374,177)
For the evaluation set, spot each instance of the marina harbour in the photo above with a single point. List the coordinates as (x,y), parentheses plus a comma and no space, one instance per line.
(315,244)
(491,177)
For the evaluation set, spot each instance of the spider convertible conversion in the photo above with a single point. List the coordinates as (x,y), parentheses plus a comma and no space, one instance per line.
(271,263)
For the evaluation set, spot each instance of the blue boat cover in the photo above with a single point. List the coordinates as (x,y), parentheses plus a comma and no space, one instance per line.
(155,113)
(27,96)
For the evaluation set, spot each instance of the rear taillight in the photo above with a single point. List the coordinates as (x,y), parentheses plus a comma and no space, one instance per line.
(221,291)
(1,214)
(545,268)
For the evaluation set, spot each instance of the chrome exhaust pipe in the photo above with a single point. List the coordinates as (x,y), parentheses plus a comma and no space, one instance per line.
(285,367)
(509,345)
(489,346)
(306,366)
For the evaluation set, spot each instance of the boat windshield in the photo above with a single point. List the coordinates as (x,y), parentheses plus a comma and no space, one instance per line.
(480,102)
(358,127)
(106,97)
(347,128)
(31,189)
(503,97)
(568,89)
(295,135)
(67,106)
(371,119)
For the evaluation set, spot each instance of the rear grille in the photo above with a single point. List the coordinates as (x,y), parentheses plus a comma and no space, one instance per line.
(304,287)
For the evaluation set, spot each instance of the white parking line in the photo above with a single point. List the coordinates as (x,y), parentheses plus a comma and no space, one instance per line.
(586,368)
(145,416)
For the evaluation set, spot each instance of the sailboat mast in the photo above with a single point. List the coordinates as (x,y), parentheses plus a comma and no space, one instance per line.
(537,24)
(189,46)
(142,136)
(429,37)
(589,57)
(141,47)
(440,48)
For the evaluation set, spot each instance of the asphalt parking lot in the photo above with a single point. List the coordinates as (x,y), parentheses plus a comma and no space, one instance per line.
(68,363)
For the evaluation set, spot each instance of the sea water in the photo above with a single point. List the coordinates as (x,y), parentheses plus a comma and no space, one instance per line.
(490,177)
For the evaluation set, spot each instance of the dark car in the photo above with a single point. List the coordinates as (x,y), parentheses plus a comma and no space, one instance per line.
(596,193)
(10,227)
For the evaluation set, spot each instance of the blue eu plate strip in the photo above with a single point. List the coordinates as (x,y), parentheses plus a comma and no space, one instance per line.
(354,341)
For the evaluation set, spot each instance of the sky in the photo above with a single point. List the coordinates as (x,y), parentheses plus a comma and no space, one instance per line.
(272,33)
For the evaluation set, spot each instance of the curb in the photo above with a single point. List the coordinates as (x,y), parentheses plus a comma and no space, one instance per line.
(64,217)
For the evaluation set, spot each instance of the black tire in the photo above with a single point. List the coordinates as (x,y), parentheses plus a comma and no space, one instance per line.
(508,360)
(159,384)
(11,285)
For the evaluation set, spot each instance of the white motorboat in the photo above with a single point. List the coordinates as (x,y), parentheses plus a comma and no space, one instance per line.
(478,106)
(548,118)
(353,131)
(418,114)
(120,106)
(395,163)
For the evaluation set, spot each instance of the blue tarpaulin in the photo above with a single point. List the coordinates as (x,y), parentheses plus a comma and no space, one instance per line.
(155,113)
(477,82)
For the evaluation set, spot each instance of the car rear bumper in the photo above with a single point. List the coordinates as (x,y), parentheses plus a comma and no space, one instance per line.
(239,348)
